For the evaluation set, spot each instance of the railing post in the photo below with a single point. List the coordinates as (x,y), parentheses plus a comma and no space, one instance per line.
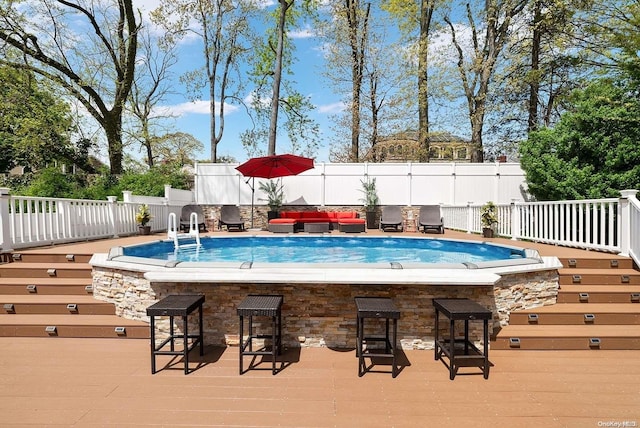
(625,221)
(515,220)
(113,215)
(469,217)
(5,196)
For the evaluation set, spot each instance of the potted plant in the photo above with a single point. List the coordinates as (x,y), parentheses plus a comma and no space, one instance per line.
(488,219)
(275,195)
(143,216)
(370,202)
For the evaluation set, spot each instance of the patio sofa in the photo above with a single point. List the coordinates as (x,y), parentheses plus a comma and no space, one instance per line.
(292,221)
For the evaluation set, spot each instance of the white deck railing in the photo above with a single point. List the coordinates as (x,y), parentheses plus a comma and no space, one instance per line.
(32,221)
(611,225)
(634,227)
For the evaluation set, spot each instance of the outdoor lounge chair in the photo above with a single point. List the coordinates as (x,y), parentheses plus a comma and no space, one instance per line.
(430,218)
(185,216)
(391,218)
(230,217)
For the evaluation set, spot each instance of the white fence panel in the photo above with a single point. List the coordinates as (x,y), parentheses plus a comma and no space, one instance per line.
(397,183)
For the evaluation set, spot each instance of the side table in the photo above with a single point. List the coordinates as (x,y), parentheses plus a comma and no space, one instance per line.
(376,307)
(264,305)
(467,310)
(180,305)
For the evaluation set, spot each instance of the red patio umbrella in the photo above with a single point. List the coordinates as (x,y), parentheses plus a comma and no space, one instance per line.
(273,166)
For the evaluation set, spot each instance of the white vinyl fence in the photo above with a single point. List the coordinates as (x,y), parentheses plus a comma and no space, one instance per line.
(339,184)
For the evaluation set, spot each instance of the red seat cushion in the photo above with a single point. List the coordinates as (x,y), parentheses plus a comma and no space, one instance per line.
(282,221)
(351,221)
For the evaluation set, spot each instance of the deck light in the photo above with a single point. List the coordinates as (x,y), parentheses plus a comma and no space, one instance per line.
(594,342)
(9,307)
(51,272)
(624,279)
(614,263)
(71,257)
(576,279)
(635,297)
(121,331)
(533,317)
(51,330)
(72,307)
(17,256)
(572,263)
(31,288)
(88,288)
(514,342)
(584,297)
(589,317)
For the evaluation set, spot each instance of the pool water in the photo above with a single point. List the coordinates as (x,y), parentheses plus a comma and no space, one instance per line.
(311,249)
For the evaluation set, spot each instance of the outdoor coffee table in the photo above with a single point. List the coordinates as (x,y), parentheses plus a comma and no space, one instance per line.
(176,305)
(322,227)
(261,305)
(381,308)
(467,310)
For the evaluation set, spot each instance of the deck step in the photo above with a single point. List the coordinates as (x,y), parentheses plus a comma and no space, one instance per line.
(87,326)
(55,304)
(49,286)
(597,263)
(599,276)
(579,293)
(568,337)
(579,314)
(49,257)
(45,270)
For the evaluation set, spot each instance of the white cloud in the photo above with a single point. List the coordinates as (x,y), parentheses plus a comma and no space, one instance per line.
(302,33)
(332,108)
(196,107)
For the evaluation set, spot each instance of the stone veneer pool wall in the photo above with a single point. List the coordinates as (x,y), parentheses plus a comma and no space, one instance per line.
(324,314)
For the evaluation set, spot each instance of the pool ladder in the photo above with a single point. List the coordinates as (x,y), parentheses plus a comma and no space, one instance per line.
(173,232)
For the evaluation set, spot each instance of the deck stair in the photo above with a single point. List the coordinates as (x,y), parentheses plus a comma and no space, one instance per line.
(49,294)
(598,307)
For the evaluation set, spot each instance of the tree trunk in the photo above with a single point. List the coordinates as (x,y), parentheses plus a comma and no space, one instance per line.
(113,130)
(534,85)
(426,13)
(277,76)
(357,41)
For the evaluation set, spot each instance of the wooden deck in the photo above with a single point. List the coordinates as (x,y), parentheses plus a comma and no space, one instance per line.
(107,382)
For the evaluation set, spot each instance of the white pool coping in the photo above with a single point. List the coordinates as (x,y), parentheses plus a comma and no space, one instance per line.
(479,274)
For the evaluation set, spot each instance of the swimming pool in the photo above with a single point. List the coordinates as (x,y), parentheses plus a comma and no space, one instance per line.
(334,249)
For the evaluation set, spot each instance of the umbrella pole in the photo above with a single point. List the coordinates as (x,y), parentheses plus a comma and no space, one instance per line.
(253,191)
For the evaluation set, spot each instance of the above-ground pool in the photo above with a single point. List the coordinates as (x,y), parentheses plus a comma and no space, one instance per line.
(329,249)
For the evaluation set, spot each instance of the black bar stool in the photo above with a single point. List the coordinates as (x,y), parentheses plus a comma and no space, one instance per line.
(264,305)
(467,310)
(173,305)
(376,307)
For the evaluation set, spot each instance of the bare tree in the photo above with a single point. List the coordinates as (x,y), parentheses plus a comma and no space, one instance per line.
(87,47)
(150,87)
(223,27)
(477,71)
